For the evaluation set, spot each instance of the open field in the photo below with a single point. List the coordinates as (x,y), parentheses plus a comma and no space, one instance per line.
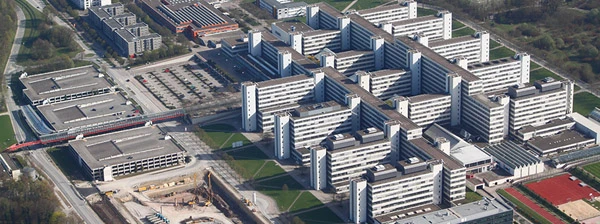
(274,188)
(219,136)
(456,24)
(579,210)
(7,135)
(593,168)
(541,74)
(502,52)
(534,65)
(472,196)
(494,44)
(465,31)
(269,169)
(585,102)
(305,201)
(322,215)
(367,4)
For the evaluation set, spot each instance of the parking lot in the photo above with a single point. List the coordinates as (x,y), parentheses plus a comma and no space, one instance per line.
(182,84)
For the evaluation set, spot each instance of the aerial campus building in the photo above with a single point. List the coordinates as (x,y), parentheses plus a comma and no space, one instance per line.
(399,82)
(121,28)
(64,85)
(281,9)
(196,18)
(85,4)
(106,156)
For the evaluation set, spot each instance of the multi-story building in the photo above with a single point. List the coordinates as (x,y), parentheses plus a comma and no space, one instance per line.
(85,4)
(426,109)
(385,84)
(390,13)
(197,18)
(347,157)
(309,125)
(435,27)
(544,101)
(474,48)
(106,156)
(379,193)
(500,73)
(235,45)
(349,62)
(122,29)
(306,40)
(487,115)
(281,9)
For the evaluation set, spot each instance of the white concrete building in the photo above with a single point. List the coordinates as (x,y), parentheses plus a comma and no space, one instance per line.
(474,48)
(501,73)
(549,128)
(281,9)
(386,83)
(515,160)
(85,4)
(421,183)
(391,13)
(487,116)
(425,109)
(348,157)
(435,27)
(544,101)
(309,125)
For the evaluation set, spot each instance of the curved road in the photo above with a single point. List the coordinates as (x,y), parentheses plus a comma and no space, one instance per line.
(79,204)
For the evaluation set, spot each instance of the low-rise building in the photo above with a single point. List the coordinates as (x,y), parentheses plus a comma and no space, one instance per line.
(86,4)
(106,156)
(64,85)
(564,141)
(515,160)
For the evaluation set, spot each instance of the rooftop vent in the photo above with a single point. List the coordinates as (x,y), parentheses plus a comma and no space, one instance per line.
(413,160)
(379,168)
(338,137)
(371,130)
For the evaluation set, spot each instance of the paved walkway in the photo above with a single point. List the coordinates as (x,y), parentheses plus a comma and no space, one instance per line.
(350,5)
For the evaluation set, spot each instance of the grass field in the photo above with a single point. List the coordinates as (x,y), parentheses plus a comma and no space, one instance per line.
(323,215)
(218,135)
(466,31)
(305,201)
(338,4)
(541,74)
(585,102)
(425,12)
(593,168)
(247,161)
(524,208)
(501,53)
(472,196)
(456,24)
(494,44)
(270,169)
(7,135)
(273,189)
(65,162)
(367,4)
(534,65)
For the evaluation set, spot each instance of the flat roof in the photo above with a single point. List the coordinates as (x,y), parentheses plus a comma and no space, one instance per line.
(438,43)
(233,41)
(499,61)
(586,122)
(415,20)
(284,80)
(567,137)
(425,97)
(372,28)
(328,9)
(9,161)
(398,216)
(63,82)
(422,144)
(457,214)
(485,100)
(296,25)
(197,14)
(351,53)
(552,123)
(461,150)
(123,146)
(368,98)
(493,175)
(386,72)
(381,9)
(512,154)
(86,111)
(432,55)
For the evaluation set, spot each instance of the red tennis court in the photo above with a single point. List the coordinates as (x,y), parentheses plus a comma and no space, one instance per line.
(533,205)
(560,189)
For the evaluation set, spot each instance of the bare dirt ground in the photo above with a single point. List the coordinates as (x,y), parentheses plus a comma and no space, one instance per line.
(579,210)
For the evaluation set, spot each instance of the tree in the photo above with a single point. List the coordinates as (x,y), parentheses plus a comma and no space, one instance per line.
(42,49)
(284,188)
(545,43)
(551,6)
(588,51)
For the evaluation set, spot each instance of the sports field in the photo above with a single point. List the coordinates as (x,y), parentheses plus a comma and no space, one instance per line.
(532,205)
(579,209)
(560,189)
(593,168)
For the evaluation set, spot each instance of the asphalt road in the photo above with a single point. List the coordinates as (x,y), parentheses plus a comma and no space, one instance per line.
(42,160)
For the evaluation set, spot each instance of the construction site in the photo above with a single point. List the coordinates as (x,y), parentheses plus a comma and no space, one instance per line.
(197,198)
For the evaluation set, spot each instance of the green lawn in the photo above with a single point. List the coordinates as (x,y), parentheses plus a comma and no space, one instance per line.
(524,208)
(494,44)
(577,88)
(425,12)
(235,138)
(305,201)
(65,161)
(584,103)
(247,161)
(273,189)
(322,215)
(534,65)
(270,169)
(7,135)
(248,153)
(502,52)
(593,168)
(463,32)
(456,24)
(472,196)
(215,135)
(541,74)
(367,4)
